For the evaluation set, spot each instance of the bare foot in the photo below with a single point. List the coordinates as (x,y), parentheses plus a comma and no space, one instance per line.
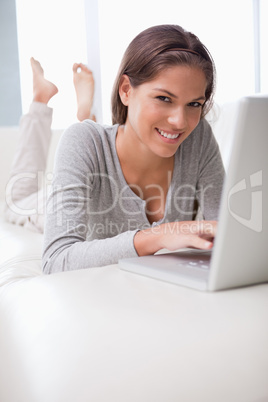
(43,90)
(84,88)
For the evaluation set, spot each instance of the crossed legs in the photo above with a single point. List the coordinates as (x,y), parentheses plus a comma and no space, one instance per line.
(25,195)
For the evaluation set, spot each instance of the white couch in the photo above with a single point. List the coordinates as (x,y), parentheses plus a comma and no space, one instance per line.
(104,335)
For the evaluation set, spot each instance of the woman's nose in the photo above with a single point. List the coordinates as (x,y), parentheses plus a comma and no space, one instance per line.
(177,118)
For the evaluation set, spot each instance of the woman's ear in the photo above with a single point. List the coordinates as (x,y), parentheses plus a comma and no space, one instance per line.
(124,89)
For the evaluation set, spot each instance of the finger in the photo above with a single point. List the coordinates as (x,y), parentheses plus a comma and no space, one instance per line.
(199,242)
(75,67)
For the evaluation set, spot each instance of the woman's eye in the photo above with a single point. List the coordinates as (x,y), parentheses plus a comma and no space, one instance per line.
(164,98)
(195,104)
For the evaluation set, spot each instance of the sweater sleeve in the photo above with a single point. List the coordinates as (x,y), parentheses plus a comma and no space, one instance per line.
(67,249)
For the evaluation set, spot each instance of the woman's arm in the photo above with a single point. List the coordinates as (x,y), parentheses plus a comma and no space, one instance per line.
(76,201)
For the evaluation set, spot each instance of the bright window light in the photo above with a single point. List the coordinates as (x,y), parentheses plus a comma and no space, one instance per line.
(59,33)
(225,27)
(53,32)
(263,46)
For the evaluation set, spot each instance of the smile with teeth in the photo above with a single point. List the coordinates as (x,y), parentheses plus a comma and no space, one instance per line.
(166,135)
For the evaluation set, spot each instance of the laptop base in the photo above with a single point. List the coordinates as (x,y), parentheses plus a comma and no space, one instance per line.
(188,268)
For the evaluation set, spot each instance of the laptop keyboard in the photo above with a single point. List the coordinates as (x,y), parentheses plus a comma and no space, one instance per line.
(198,264)
(194,264)
(185,269)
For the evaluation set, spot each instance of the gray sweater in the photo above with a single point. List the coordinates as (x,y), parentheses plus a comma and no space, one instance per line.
(92,213)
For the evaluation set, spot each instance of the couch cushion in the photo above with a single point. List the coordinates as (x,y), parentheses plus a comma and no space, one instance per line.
(21,252)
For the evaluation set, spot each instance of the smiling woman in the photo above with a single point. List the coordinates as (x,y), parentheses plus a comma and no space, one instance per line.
(145,174)
(173,118)
(149,61)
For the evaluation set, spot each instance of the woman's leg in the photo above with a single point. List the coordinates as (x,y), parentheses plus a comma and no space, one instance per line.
(25,195)
(29,164)
(84,88)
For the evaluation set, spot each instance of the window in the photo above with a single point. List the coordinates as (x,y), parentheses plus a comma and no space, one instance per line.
(97,32)
(53,32)
(263,14)
(225,27)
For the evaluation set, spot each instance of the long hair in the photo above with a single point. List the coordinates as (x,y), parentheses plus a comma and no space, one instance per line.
(155,49)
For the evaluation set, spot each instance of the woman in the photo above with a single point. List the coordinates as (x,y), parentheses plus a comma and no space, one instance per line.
(135,187)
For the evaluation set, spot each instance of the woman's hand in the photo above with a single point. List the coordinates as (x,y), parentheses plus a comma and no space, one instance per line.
(176,235)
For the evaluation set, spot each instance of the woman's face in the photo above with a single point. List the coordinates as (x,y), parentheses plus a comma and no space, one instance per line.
(163,112)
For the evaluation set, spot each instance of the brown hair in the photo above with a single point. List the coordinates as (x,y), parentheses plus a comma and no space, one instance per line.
(155,49)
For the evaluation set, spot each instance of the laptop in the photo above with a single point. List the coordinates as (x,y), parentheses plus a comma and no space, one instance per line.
(239,256)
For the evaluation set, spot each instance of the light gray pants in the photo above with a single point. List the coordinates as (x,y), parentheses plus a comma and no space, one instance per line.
(25,191)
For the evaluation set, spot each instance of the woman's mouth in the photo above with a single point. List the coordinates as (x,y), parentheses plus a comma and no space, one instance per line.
(168,135)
